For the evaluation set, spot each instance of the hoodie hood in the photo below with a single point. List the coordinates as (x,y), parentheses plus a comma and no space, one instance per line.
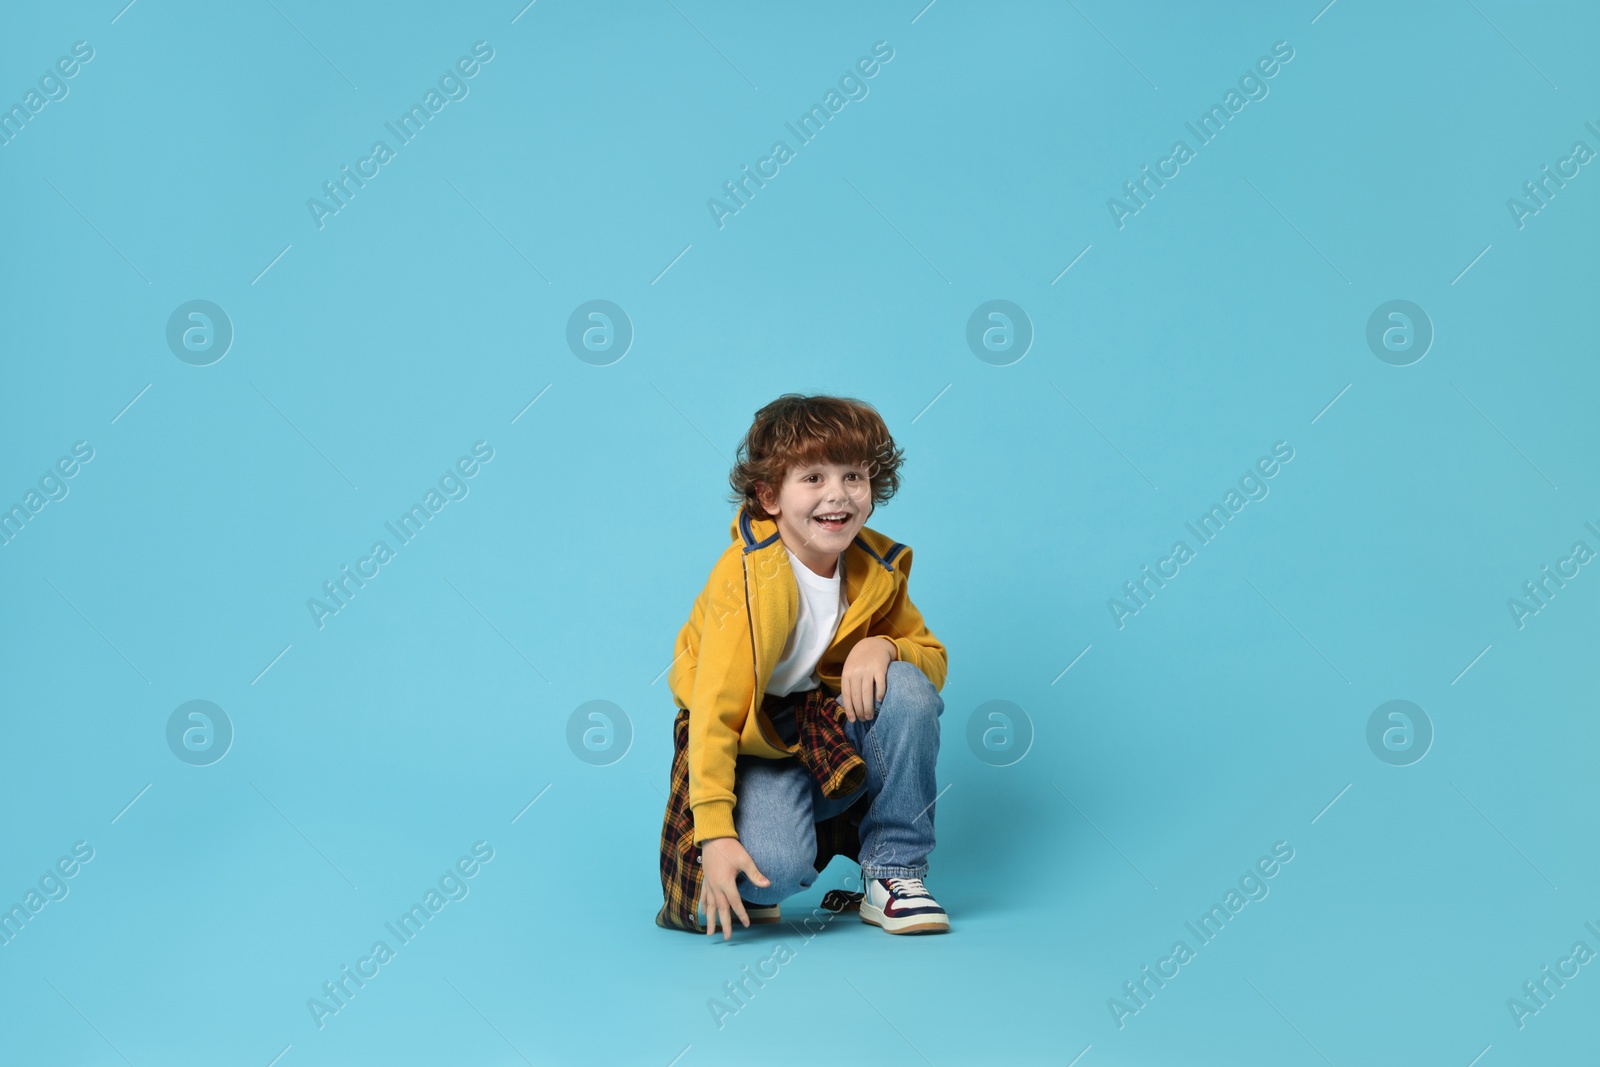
(756,534)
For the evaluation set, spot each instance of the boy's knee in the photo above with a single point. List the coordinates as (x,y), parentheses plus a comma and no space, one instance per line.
(787,871)
(909,685)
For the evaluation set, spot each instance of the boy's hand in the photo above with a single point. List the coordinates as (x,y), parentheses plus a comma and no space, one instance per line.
(721,860)
(865,677)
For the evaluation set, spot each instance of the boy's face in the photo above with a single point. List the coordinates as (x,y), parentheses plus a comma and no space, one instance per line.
(821,489)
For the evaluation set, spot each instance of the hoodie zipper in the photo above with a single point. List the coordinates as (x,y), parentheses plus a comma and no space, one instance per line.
(750,620)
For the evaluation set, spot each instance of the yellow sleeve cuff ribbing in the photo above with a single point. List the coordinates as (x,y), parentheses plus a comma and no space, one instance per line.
(714,818)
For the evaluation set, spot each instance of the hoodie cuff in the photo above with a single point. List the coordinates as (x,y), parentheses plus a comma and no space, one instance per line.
(714,818)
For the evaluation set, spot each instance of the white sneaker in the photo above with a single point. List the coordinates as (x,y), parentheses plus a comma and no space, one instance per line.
(903,906)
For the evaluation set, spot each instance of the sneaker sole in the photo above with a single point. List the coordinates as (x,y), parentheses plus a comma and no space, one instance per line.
(911,924)
(776,916)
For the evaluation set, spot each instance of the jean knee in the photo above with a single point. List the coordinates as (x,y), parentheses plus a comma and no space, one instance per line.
(788,870)
(912,688)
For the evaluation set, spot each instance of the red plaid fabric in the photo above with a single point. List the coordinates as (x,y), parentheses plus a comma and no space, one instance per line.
(825,751)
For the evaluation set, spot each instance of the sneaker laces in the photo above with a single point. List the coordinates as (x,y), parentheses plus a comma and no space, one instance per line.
(908,887)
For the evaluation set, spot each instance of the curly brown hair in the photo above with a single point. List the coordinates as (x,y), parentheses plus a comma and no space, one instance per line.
(795,430)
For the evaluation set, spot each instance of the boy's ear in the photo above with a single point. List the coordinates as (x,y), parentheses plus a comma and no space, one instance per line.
(764,496)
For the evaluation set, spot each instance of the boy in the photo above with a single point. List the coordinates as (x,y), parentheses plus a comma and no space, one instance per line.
(809,604)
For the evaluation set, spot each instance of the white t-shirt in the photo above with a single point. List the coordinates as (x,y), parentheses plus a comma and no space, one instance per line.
(822,605)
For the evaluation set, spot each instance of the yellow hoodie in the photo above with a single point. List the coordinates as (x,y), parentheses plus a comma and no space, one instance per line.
(725,653)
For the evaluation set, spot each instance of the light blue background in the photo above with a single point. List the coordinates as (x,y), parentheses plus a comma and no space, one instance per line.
(425,716)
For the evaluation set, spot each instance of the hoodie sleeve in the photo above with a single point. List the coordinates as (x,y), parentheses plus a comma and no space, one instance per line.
(720,700)
(902,623)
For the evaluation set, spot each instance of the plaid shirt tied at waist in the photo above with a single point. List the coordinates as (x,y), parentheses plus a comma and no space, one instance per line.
(825,751)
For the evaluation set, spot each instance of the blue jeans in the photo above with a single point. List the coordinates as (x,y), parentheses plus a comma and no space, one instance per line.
(779,802)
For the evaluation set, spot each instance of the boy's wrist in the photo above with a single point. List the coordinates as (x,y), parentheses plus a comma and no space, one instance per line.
(895,653)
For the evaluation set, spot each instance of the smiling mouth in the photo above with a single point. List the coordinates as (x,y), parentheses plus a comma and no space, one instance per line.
(834,524)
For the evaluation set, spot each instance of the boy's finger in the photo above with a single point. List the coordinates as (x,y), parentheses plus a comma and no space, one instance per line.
(714,911)
(752,872)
